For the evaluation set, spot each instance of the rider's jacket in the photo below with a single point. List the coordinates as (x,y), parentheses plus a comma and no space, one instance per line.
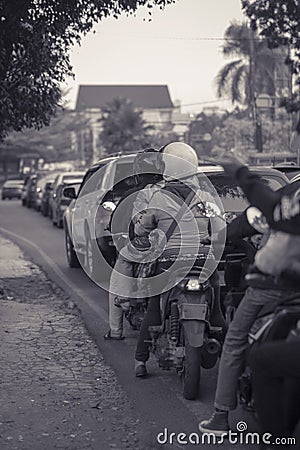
(280,255)
(162,210)
(130,208)
(281,208)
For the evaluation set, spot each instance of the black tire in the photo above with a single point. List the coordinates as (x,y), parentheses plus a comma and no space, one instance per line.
(192,371)
(23,202)
(70,252)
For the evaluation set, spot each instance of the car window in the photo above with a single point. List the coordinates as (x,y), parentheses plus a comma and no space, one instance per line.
(123,178)
(87,186)
(89,183)
(231,195)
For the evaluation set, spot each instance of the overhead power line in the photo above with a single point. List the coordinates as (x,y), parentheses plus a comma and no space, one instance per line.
(182,38)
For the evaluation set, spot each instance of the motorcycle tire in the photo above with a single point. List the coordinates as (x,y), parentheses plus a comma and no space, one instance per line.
(192,371)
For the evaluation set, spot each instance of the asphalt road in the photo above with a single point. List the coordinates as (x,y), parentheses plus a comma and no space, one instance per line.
(157,398)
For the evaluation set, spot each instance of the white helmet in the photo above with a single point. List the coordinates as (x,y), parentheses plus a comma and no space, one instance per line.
(180,160)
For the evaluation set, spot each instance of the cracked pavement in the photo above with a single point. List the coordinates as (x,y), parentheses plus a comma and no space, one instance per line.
(56,390)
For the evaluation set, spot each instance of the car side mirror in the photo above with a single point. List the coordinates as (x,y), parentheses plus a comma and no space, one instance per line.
(69,192)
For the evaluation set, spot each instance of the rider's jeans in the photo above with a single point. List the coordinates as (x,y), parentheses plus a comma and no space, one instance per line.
(119,285)
(236,343)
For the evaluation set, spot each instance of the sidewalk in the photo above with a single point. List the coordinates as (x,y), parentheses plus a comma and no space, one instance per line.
(56,391)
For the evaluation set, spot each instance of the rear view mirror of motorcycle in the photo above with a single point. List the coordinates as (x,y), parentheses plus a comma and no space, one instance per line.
(209,209)
(257,220)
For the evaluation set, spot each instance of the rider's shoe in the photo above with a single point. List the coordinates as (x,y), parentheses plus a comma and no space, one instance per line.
(109,337)
(140,369)
(217,424)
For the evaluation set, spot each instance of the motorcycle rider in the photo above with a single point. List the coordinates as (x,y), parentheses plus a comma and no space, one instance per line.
(133,203)
(180,166)
(281,209)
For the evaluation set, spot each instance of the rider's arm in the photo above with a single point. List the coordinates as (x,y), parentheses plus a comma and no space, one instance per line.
(257,192)
(239,228)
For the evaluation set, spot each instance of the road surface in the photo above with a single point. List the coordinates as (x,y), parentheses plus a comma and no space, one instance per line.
(157,398)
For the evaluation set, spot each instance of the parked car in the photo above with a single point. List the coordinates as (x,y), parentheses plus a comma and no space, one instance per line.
(99,189)
(60,202)
(29,188)
(12,189)
(60,178)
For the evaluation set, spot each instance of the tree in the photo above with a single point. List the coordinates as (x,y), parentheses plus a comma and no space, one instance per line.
(200,134)
(35,39)
(236,131)
(279,22)
(124,129)
(54,142)
(253,72)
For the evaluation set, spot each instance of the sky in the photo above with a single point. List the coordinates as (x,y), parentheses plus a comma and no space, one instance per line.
(180,47)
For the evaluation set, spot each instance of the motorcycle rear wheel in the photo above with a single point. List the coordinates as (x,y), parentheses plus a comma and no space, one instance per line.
(192,371)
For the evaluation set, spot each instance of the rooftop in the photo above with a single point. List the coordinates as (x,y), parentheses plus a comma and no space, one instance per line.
(143,96)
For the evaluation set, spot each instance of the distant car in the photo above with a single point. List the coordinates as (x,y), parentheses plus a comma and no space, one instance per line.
(60,178)
(24,191)
(38,193)
(12,189)
(60,202)
(290,170)
(46,193)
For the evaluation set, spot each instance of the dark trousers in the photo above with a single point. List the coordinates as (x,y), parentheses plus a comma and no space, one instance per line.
(276,387)
(153,317)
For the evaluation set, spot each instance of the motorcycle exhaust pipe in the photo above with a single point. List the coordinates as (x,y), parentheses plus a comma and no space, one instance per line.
(212,346)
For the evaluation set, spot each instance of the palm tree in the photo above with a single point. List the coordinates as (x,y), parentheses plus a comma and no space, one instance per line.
(123,127)
(253,72)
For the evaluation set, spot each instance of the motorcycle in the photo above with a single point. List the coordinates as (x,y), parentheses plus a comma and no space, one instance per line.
(271,323)
(186,340)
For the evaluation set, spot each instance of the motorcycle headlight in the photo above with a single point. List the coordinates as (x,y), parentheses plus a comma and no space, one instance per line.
(193,285)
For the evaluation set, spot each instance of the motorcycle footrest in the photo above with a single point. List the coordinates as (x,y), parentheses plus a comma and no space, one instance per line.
(215,329)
